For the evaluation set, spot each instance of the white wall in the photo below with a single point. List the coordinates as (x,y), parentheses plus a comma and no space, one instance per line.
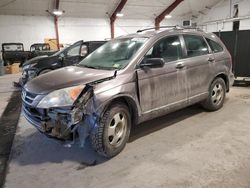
(24,29)
(213,19)
(33,29)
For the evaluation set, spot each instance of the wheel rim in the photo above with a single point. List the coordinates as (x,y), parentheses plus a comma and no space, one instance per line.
(117,129)
(217,94)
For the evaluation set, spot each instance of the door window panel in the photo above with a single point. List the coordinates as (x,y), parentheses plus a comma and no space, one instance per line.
(168,48)
(75,51)
(215,47)
(195,45)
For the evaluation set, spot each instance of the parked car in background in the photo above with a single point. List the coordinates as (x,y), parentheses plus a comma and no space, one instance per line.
(39,49)
(129,80)
(66,57)
(14,52)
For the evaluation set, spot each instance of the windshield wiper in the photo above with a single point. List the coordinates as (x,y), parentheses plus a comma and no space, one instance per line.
(91,67)
(98,67)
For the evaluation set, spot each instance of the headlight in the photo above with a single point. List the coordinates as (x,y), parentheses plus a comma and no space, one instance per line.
(32,74)
(61,98)
(25,67)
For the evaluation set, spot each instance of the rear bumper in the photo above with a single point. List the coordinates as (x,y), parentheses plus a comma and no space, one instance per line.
(231,79)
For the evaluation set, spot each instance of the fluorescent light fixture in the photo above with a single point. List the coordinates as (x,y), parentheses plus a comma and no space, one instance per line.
(57,12)
(168,16)
(119,14)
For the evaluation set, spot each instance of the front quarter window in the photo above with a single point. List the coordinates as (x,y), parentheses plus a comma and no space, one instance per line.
(115,54)
(75,51)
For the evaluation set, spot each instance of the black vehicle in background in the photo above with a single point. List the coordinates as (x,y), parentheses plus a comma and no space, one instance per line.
(66,57)
(39,49)
(14,52)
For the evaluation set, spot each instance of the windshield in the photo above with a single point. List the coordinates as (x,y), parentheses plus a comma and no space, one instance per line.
(115,54)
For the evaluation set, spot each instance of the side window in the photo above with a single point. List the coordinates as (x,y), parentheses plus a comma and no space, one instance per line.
(215,47)
(75,51)
(168,48)
(195,45)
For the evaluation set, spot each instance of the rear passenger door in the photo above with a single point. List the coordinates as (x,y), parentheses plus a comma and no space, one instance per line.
(218,53)
(199,62)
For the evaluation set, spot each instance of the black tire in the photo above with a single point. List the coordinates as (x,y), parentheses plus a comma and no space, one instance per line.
(44,71)
(217,94)
(101,138)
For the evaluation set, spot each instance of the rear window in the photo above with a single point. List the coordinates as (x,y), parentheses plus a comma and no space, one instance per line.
(13,47)
(195,45)
(215,47)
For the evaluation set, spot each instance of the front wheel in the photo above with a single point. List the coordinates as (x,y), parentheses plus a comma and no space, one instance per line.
(112,133)
(217,93)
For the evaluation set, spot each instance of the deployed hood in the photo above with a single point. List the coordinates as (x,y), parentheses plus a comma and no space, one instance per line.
(65,77)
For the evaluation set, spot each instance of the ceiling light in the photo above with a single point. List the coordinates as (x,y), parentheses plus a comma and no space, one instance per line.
(119,14)
(168,16)
(57,12)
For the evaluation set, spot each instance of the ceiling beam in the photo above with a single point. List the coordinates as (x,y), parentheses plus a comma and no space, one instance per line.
(113,17)
(167,11)
(57,3)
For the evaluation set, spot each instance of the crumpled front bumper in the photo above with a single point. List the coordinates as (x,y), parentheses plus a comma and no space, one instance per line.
(59,126)
(60,122)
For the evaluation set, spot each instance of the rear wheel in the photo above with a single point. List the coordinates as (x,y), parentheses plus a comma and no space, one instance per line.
(111,135)
(217,93)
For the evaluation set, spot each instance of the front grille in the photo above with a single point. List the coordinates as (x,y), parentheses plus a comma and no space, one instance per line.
(28,97)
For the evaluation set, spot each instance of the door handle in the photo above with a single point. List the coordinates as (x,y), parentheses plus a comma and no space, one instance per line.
(211,59)
(179,66)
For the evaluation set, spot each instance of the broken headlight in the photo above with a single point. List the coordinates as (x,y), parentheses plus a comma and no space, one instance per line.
(61,98)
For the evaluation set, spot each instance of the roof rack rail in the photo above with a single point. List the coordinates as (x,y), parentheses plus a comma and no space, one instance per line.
(141,30)
(190,27)
(177,27)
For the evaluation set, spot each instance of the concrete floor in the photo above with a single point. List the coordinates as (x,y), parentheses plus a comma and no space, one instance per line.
(189,148)
(6,89)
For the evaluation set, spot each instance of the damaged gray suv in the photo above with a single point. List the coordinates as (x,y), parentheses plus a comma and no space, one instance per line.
(129,80)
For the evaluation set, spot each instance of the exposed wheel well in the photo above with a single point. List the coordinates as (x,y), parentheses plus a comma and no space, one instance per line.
(130,104)
(226,80)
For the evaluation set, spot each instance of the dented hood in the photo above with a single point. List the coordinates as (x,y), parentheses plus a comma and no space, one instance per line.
(65,77)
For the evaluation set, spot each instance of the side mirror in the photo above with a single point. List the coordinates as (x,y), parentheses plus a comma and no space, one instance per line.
(152,63)
(84,51)
(61,57)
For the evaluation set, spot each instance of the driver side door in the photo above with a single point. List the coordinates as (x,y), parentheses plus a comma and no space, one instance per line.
(162,88)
